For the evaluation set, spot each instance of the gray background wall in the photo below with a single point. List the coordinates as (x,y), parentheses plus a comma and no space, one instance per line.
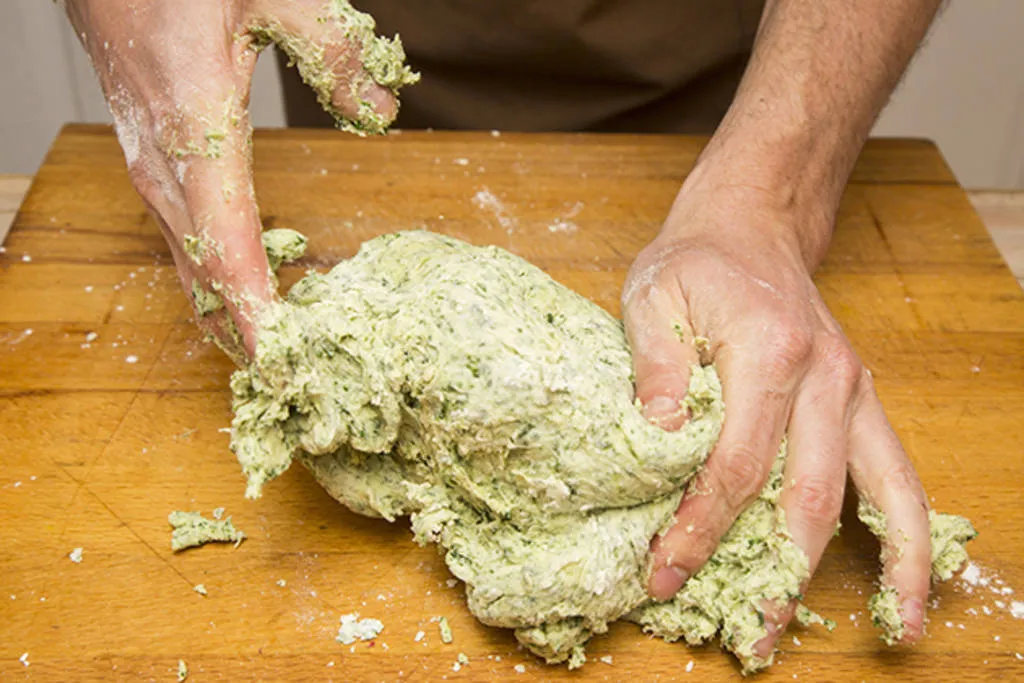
(964,90)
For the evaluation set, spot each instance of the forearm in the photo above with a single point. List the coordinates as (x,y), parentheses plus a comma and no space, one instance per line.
(819,75)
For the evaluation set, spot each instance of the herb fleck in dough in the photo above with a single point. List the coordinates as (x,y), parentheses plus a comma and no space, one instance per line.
(463,387)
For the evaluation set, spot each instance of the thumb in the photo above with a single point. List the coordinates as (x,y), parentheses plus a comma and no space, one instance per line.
(662,341)
(355,73)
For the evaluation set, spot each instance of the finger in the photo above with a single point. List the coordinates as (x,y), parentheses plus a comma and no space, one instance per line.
(883,473)
(758,379)
(207,144)
(225,241)
(215,323)
(814,477)
(327,43)
(663,352)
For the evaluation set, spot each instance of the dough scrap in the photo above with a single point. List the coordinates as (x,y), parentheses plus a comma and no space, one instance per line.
(283,246)
(461,386)
(353,628)
(191,529)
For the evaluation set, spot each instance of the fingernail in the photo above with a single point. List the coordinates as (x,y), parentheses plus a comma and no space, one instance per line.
(660,407)
(913,615)
(667,581)
(382,99)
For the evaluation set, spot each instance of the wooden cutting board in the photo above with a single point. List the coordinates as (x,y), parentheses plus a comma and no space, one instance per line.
(101,437)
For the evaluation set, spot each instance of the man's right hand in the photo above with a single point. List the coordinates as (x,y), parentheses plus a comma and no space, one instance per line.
(177,77)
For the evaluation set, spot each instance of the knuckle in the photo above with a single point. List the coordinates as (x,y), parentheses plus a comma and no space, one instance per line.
(147,184)
(786,347)
(842,365)
(818,500)
(657,268)
(142,180)
(644,278)
(740,475)
(695,544)
(902,478)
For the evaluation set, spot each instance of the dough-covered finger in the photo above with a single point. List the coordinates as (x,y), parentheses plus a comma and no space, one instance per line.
(207,144)
(814,478)
(756,411)
(355,73)
(894,506)
(662,345)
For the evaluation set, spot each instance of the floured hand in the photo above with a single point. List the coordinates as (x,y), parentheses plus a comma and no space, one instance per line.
(727,280)
(177,79)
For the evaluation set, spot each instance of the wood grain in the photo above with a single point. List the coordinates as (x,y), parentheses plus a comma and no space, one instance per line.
(97,449)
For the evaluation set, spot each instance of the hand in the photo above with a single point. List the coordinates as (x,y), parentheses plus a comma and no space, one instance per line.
(177,82)
(728,266)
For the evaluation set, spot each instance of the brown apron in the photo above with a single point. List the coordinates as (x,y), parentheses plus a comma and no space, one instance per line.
(561,65)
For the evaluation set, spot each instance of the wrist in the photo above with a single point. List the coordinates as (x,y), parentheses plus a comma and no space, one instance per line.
(787,187)
(721,199)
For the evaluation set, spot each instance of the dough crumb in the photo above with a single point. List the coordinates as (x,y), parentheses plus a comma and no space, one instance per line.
(75,556)
(283,246)
(446,630)
(806,617)
(182,670)
(520,669)
(191,529)
(199,588)
(353,628)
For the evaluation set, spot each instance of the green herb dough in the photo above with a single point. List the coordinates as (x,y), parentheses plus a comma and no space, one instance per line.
(463,387)
(806,618)
(283,246)
(192,529)
(205,302)
(446,630)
